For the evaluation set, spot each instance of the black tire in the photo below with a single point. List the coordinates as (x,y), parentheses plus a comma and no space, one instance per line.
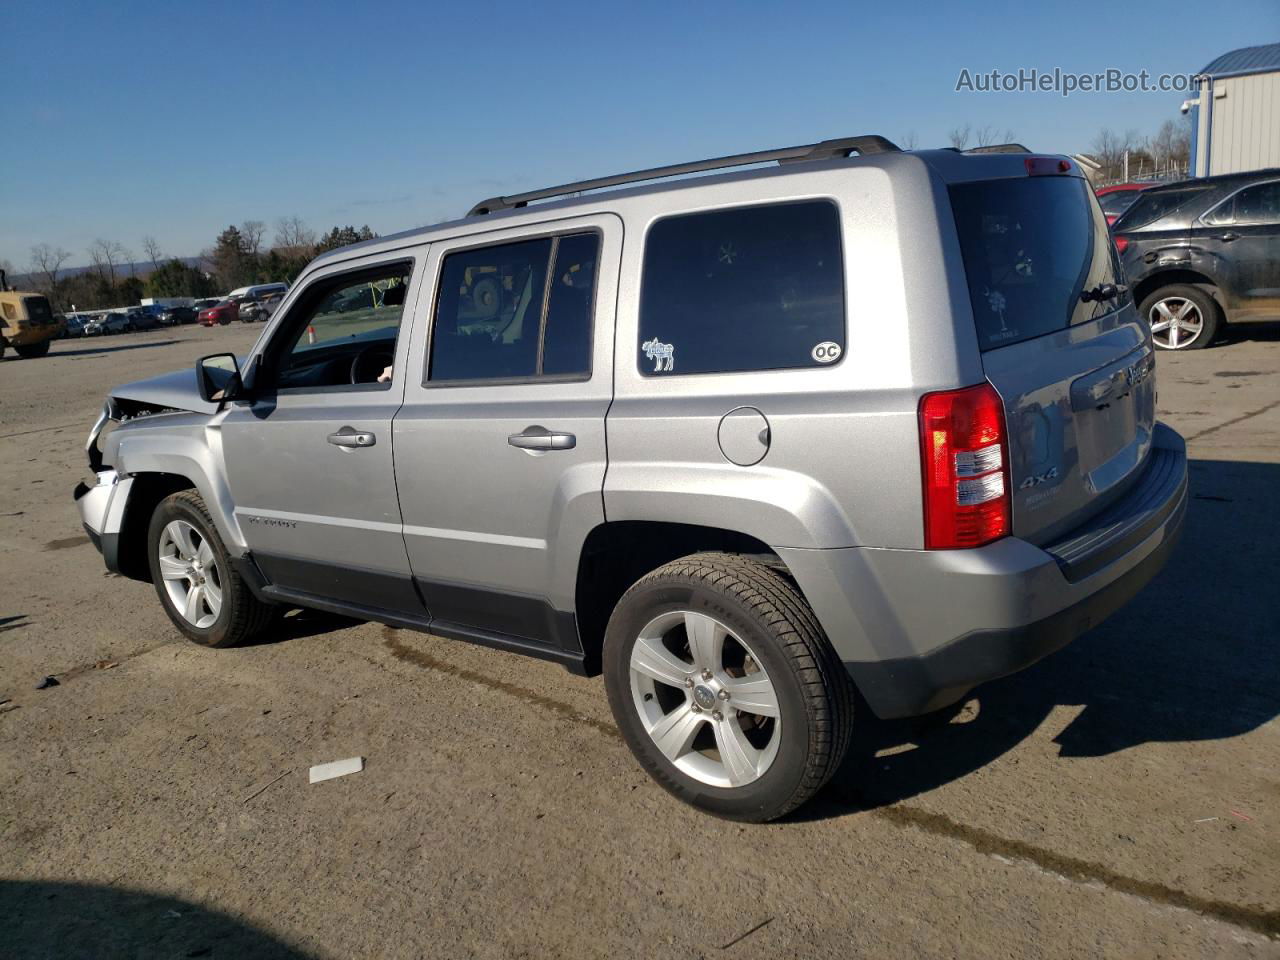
(242,616)
(764,609)
(1204,303)
(33,351)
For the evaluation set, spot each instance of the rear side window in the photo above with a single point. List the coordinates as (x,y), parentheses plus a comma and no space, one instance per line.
(1155,205)
(1257,204)
(751,288)
(516,311)
(1118,201)
(1031,247)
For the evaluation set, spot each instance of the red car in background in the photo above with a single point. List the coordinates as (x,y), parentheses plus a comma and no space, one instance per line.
(1119,197)
(221,313)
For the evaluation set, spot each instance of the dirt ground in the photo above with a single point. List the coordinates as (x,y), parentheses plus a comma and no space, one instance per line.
(1120,799)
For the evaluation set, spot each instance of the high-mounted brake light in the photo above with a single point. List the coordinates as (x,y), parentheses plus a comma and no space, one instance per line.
(964,455)
(1041,166)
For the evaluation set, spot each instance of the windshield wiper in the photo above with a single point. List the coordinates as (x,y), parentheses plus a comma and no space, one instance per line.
(1104,291)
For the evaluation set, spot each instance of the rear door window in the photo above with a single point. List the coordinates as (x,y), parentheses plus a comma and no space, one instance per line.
(1257,204)
(1031,247)
(1154,205)
(749,288)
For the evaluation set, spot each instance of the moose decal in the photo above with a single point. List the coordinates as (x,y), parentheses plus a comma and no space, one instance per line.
(663,354)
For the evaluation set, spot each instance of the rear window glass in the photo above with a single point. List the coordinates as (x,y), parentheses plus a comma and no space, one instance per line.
(1031,247)
(1118,201)
(38,309)
(1153,205)
(750,288)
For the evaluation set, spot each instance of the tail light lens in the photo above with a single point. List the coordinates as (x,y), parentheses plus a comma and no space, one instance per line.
(1121,242)
(964,454)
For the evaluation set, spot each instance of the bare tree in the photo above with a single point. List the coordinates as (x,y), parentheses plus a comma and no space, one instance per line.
(152,247)
(908,142)
(990,136)
(293,234)
(106,255)
(959,136)
(252,231)
(46,261)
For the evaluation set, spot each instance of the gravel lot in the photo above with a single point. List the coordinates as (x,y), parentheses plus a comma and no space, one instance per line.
(1122,798)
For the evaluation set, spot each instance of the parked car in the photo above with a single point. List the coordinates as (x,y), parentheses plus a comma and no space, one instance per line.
(110,322)
(73,326)
(831,462)
(145,318)
(257,291)
(1202,253)
(220,314)
(173,316)
(1119,197)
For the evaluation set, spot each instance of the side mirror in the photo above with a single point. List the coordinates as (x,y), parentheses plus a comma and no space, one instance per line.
(218,378)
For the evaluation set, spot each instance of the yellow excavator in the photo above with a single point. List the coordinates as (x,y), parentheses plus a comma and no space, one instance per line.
(27,321)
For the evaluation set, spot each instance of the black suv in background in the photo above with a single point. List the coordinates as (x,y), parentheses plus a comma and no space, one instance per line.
(1201,253)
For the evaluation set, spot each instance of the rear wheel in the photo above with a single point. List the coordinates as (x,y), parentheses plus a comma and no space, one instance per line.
(201,592)
(31,351)
(725,687)
(1182,317)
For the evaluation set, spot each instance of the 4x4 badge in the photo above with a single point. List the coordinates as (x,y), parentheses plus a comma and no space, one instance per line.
(663,354)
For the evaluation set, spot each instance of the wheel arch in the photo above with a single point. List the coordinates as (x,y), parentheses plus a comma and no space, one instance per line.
(145,494)
(1167,278)
(617,553)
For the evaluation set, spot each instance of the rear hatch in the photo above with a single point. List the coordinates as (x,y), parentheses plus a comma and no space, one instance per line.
(1075,372)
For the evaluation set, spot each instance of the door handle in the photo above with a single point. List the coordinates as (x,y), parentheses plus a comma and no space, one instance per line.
(540,438)
(347,437)
(1229,236)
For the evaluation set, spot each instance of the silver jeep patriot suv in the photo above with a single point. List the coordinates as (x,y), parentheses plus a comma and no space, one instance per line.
(851,424)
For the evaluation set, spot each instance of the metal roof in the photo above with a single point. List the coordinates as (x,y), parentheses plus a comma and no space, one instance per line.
(1261,59)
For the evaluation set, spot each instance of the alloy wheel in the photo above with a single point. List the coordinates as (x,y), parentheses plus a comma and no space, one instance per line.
(191,574)
(705,700)
(1176,323)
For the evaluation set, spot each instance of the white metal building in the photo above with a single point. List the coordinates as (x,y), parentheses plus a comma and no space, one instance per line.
(1236,117)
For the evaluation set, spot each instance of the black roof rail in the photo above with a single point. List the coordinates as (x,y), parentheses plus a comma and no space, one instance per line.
(825,150)
(1000,148)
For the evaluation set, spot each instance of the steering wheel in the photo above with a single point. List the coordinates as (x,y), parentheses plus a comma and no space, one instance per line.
(369,363)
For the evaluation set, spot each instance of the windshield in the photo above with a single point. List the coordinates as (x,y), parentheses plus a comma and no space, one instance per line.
(1032,246)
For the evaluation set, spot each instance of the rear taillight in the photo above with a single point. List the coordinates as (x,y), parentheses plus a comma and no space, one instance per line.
(964,454)
(1121,242)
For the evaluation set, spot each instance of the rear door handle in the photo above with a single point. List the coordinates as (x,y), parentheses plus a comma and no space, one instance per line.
(348,437)
(1228,237)
(540,438)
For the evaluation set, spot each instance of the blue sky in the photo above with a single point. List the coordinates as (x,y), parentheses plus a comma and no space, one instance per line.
(174,120)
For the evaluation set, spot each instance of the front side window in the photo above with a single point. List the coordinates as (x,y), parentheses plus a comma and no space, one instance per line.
(749,288)
(516,311)
(343,330)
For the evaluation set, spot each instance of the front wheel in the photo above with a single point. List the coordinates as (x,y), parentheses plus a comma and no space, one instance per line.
(32,351)
(1182,317)
(725,687)
(201,592)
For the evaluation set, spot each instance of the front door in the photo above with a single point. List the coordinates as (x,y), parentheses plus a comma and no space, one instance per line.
(309,460)
(500,447)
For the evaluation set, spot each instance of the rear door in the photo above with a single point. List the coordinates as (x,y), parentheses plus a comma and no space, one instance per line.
(1072,364)
(1244,231)
(500,446)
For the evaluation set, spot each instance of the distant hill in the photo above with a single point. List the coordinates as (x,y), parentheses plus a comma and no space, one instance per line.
(140,268)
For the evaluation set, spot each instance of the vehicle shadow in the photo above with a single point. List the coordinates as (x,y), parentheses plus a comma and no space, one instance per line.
(111,349)
(1191,658)
(74,920)
(297,624)
(1263,332)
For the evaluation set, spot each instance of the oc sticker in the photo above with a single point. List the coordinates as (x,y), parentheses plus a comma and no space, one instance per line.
(826,352)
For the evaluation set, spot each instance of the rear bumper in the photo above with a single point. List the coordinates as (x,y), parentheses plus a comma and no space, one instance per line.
(918,629)
(101,509)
